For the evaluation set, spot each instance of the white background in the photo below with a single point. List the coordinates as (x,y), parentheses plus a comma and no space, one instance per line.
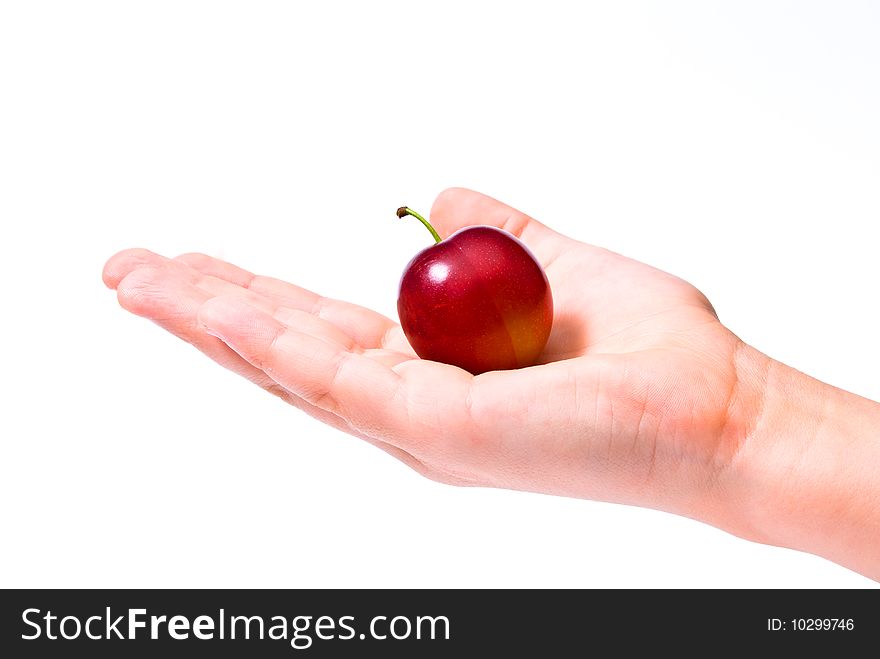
(733,144)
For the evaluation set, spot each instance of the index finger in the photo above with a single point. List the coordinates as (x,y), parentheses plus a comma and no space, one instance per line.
(368,328)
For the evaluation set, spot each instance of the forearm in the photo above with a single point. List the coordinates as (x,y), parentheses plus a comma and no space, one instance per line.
(809,468)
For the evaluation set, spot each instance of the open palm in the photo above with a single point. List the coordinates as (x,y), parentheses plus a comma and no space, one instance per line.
(634,399)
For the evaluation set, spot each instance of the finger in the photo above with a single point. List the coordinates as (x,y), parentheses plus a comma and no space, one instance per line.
(129,260)
(306,323)
(169,294)
(456,208)
(297,319)
(167,297)
(149,288)
(355,386)
(367,327)
(155,293)
(122,263)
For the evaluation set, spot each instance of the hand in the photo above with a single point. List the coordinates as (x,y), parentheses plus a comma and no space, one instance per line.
(642,395)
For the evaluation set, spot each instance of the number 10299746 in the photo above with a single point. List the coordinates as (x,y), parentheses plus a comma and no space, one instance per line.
(810,624)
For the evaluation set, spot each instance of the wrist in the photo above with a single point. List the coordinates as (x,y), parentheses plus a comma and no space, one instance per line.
(804,473)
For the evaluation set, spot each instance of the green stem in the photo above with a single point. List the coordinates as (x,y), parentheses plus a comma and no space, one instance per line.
(403,211)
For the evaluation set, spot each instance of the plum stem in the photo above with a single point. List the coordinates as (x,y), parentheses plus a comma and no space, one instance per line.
(403,211)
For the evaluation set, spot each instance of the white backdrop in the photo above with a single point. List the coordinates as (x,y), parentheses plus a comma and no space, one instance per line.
(735,145)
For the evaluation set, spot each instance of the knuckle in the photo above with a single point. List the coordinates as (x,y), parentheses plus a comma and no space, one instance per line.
(194,259)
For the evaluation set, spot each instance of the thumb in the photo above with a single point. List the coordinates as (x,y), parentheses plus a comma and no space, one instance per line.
(456,208)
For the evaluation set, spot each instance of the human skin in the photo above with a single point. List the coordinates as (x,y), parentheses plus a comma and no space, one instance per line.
(641,395)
